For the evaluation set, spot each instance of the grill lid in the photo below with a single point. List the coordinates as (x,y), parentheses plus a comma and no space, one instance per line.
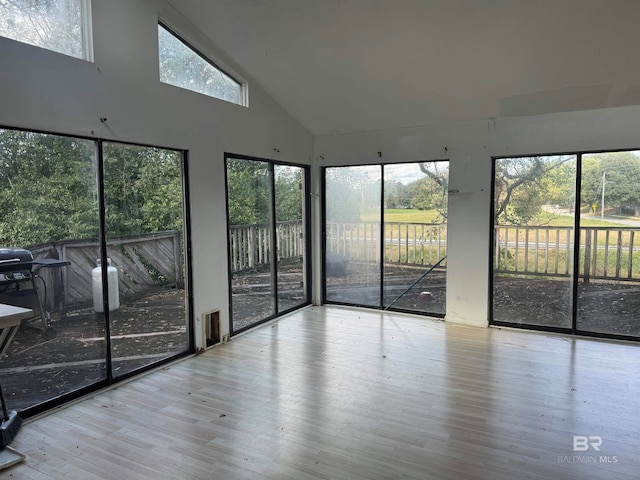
(13,258)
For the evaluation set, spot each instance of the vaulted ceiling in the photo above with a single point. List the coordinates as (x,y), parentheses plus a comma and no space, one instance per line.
(353,65)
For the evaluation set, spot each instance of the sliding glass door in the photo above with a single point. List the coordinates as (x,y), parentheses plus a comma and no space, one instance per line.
(145,249)
(353,216)
(539,279)
(609,270)
(49,208)
(533,240)
(291,248)
(98,231)
(385,236)
(415,236)
(268,251)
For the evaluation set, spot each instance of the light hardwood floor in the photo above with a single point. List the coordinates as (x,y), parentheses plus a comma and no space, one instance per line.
(337,393)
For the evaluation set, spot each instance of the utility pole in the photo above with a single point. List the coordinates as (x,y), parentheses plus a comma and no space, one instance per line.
(604,174)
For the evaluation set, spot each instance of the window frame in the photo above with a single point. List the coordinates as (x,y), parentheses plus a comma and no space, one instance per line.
(198,48)
(306,225)
(191,332)
(86,35)
(574,328)
(383,221)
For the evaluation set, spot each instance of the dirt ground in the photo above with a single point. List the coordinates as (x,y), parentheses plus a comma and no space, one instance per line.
(602,308)
(612,308)
(151,327)
(143,330)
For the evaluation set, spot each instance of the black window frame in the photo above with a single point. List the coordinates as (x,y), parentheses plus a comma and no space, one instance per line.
(110,380)
(306,169)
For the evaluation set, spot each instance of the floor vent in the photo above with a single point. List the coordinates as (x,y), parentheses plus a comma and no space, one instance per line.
(211,328)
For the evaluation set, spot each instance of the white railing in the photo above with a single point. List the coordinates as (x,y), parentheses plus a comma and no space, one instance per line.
(605,253)
(250,245)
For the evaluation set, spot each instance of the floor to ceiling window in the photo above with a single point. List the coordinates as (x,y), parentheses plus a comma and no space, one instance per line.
(533,240)
(540,280)
(608,300)
(144,227)
(290,214)
(353,216)
(268,251)
(415,236)
(385,236)
(90,324)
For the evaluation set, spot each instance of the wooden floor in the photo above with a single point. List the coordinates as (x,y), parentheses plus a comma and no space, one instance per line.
(336,393)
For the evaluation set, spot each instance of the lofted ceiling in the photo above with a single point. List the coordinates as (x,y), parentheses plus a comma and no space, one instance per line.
(342,66)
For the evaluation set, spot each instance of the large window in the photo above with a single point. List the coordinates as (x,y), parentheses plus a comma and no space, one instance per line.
(63,26)
(353,216)
(104,223)
(566,264)
(533,244)
(268,249)
(608,300)
(183,66)
(385,236)
(415,236)
(144,231)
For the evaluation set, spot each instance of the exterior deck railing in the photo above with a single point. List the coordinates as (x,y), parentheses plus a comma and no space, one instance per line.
(419,244)
(250,245)
(606,253)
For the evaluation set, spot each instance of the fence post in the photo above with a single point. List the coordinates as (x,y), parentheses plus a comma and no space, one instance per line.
(630,271)
(587,254)
(178,258)
(251,247)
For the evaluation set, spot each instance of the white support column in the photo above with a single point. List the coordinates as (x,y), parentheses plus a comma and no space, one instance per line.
(468,235)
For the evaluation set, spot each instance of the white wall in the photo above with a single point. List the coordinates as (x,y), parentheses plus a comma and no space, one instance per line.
(470,146)
(47,91)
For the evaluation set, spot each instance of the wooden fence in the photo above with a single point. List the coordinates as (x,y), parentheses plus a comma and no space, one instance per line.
(604,253)
(250,245)
(143,262)
(404,243)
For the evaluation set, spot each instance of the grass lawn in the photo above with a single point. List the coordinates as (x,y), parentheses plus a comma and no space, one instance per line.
(433,216)
(568,221)
(404,216)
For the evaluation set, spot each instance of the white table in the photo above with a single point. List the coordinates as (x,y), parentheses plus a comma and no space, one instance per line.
(10,318)
(10,314)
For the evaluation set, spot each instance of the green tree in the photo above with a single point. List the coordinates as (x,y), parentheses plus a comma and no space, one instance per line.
(143,189)
(52,24)
(248,191)
(622,180)
(558,186)
(422,193)
(182,66)
(392,194)
(344,194)
(432,192)
(289,188)
(621,174)
(590,187)
(48,188)
(521,187)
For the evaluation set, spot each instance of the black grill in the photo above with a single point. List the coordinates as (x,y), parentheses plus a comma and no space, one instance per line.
(14,260)
(18,286)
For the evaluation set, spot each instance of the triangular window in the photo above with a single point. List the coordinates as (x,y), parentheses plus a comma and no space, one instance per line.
(183,66)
